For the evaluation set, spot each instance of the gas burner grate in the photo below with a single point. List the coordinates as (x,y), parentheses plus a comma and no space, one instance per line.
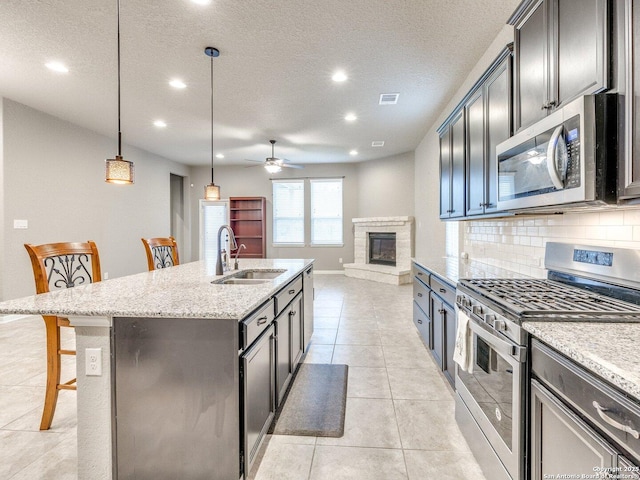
(536,298)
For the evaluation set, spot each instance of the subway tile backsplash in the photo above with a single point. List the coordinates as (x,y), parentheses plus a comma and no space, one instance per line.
(518,243)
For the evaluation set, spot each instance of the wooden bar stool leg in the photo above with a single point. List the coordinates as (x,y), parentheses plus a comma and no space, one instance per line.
(53,371)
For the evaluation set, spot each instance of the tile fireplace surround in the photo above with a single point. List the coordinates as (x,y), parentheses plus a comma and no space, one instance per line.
(398,275)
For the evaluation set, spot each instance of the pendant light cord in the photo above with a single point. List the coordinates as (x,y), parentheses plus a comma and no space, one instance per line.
(119,132)
(212,120)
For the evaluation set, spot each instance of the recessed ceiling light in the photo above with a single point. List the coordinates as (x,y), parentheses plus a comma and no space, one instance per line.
(339,76)
(57,67)
(219,155)
(377,143)
(353,152)
(177,83)
(160,123)
(201,2)
(350,117)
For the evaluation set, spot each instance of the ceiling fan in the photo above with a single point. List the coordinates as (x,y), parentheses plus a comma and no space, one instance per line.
(273,164)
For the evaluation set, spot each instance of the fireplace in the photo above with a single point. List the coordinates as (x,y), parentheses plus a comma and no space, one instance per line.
(382,248)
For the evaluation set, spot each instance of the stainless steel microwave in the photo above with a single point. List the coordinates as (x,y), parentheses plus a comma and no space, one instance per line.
(568,158)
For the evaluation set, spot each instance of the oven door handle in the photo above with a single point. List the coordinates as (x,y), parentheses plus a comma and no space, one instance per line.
(501,346)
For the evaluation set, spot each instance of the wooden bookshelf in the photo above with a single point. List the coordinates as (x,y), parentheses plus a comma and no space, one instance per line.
(248,217)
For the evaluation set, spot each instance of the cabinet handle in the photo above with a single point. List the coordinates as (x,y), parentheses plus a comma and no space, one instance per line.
(419,294)
(292,313)
(441,311)
(443,290)
(262,320)
(600,409)
(420,321)
(292,291)
(420,273)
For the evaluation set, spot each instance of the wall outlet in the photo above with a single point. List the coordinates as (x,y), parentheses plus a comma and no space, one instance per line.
(105,276)
(340,260)
(93,361)
(21,224)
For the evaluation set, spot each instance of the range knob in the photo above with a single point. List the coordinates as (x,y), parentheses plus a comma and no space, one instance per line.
(476,310)
(489,318)
(500,325)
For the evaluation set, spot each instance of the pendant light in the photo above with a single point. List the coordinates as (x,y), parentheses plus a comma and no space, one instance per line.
(119,170)
(212,191)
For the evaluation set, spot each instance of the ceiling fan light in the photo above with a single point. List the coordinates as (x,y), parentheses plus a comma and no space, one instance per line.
(212,192)
(273,168)
(119,171)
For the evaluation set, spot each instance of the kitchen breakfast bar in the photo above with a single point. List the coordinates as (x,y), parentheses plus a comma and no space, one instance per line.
(179,371)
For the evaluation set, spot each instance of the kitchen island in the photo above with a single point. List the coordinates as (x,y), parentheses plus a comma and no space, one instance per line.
(167,395)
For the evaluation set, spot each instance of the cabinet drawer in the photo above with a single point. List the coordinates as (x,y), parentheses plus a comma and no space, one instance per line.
(582,390)
(443,290)
(421,295)
(284,297)
(255,324)
(421,274)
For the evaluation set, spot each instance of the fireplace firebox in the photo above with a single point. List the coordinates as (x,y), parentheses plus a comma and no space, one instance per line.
(382,248)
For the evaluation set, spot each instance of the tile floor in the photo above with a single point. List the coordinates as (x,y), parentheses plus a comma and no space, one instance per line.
(400,410)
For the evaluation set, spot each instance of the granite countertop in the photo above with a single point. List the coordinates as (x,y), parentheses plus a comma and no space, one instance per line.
(453,269)
(183,291)
(607,349)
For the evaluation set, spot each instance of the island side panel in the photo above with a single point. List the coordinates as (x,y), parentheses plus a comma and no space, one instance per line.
(176,398)
(94,402)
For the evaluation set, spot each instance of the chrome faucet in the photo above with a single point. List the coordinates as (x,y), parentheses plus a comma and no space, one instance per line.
(240,247)
(220,265)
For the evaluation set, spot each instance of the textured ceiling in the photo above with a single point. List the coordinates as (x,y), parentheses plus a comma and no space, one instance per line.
(272,79)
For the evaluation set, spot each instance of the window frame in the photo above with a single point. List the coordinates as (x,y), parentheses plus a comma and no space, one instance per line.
(281,244)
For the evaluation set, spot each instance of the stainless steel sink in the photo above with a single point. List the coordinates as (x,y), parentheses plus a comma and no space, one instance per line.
(249,277)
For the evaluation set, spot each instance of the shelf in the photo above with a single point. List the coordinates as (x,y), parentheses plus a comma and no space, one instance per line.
(248,236)
(249,225)
(244,209)
(245,219)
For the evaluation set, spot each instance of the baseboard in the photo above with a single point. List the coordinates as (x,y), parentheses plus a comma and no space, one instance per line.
(329,272)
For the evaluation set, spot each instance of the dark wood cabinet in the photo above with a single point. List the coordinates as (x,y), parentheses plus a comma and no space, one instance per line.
(247,216)
(452,168)
(488,122)
(437,326)
(561,52)
(450,326)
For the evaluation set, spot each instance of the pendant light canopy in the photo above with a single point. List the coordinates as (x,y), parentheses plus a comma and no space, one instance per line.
(212,191)
(119,170)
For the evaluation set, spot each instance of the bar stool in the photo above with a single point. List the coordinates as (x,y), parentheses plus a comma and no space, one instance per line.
(162,252)
(56,266)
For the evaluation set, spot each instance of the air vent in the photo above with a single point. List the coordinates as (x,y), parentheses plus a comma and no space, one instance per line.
(389,98)
(377,143)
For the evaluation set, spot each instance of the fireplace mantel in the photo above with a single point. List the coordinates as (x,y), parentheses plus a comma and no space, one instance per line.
(402,226)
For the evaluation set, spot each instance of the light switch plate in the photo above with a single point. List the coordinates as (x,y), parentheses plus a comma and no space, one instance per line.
(21,224)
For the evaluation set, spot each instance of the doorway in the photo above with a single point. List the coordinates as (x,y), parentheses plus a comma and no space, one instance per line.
(176,193)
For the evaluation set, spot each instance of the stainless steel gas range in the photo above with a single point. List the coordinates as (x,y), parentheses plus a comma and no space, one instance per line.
(584,283)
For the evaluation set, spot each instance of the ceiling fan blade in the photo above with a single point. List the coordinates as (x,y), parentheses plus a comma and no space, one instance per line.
(291,165)
(254,161)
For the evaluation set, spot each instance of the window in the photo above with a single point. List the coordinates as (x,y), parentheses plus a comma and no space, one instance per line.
(326,212)
(288,211)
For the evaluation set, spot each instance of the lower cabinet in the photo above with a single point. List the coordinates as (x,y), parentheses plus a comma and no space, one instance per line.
(290,343)
(435,318)
(258,393)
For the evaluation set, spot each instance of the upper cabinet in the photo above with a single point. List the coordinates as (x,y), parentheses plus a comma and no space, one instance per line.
(561,52)
(468,140)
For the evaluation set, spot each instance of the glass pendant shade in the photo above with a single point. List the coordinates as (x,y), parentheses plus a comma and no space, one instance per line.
(212,192)
(119,170)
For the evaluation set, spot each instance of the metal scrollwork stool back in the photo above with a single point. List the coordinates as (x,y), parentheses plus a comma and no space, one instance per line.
(161,252)
(55,266)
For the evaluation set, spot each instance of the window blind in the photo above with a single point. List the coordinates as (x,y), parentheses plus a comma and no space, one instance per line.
(326,212)
(288,211)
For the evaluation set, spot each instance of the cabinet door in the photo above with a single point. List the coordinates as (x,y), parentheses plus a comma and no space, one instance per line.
(458,143)
(437,328)
(561,442)
(296,329)
(475,154)
(531,67)
(498,127)
(445,173)
(630,166)
(423,324)
(450,326)
(579,55)
(259,393)
(283,354)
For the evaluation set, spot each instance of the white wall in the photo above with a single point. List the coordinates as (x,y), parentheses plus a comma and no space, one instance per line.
(53,176)
(386,186)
